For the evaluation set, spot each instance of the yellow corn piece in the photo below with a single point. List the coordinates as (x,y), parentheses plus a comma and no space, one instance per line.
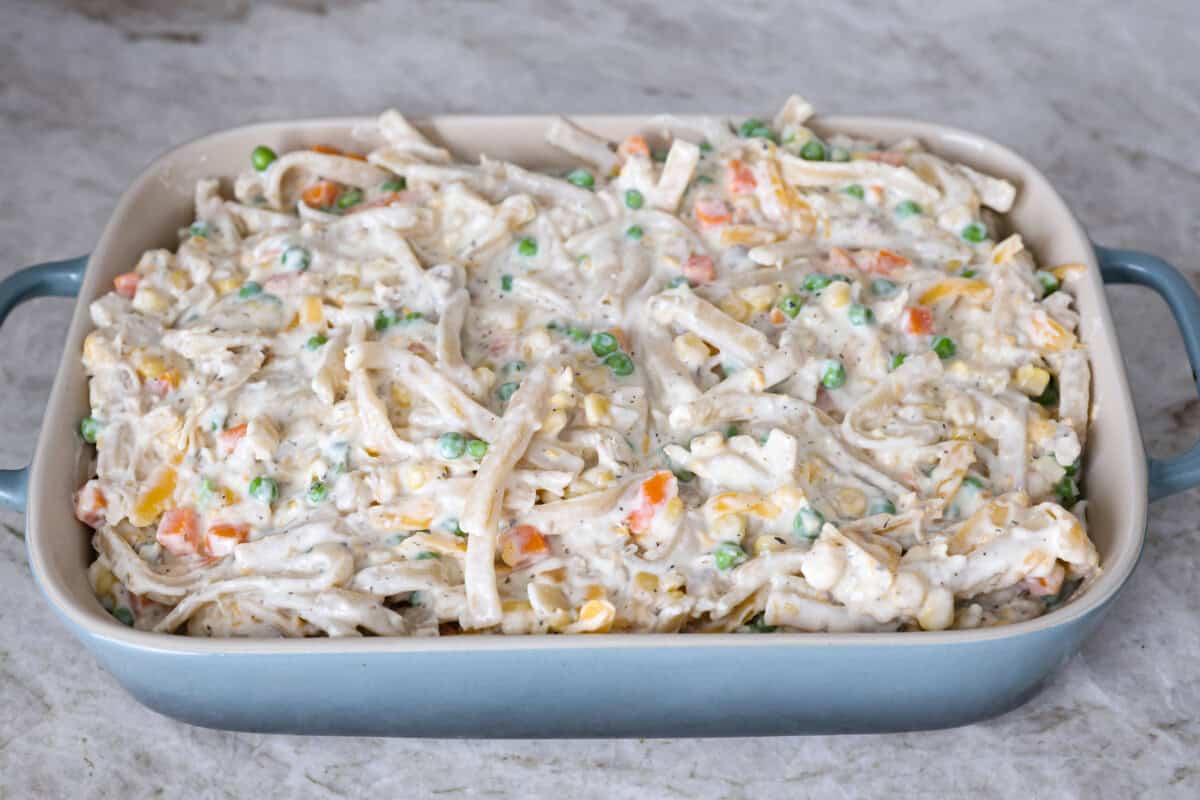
(1064,271)
(596,410)
(178,278)
(155,499)
(592,379)
(595,592)
(749,235)
(1005,250)
(104,581)
(836,295)
(1048,334)
(595,616)
(1031,380)
(149,300)
(97,350)
(956,287)
(416,476)
(760,298)
(1040,429)
(735,307)
(953,264)
(690,349)
(226,285)
(400,396)
(733,502)
(311,312)
(150,367)
(646,581)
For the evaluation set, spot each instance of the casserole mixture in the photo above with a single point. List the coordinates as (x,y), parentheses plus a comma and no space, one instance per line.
(725,377)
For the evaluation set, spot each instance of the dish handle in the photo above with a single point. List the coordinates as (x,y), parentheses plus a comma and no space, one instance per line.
(52,279)
(1167,475)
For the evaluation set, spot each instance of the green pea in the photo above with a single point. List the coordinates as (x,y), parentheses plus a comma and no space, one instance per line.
(747,128)
(881,505)
(813,150)
(317,492)
(897,360)
(1049,395)
(250,289)
(88,428)
(261,157)
(706,146)
(1073,469)
(969,273)
(581,178)
(527,246)
(1048,280)
(757,625)
(452,445)
(513,366)
(296,258)
(839,154)
(944,346)
(414,316)
(816,282)
(397,184)
(315,341)
(790,304)
(577,334)
(634,232)
(199,228)
(384,319)
(123,615)
(974,232)
(264,489)
(834,375)
(477,449)
(808,523)
(907,209)
(425,555)
(506,283)
(860,315)
(972,482)
(620,364)
(728,555)
(658,154)
(854,190)
(882,287)
(678,281)
(684,476)
(506,390)
(634,199)
(348,198)
(604,343)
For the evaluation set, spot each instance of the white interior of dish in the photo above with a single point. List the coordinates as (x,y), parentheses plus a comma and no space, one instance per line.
(159,202)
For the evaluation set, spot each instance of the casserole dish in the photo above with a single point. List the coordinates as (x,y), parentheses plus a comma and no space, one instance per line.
(618,684)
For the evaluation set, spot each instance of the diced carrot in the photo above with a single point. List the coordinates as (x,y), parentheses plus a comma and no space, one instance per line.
(917,320)
(90,504)
(653,493)
(634,146)
(886,262)
(227,440)
(711,212)
(222,537)
(700,269)
(327,149)
(621,337)
(126,284)
(522,545)
(179,531)
(778,317)
(321,194)
(885,157)
(741,178)
(355,156)
(841,258)
(1049,585)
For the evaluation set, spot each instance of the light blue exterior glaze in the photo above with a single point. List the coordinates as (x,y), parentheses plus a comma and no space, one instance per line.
(1175,474)
(52,279)
(763,689)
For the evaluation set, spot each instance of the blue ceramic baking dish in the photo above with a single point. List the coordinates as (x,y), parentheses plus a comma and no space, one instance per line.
(616,684)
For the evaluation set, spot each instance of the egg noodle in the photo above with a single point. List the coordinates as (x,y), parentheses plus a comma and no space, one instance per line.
(723,376)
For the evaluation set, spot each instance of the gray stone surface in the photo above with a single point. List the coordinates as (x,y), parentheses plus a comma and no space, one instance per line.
(1104,98)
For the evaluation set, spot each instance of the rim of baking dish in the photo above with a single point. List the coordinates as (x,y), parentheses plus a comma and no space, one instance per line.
(91,619)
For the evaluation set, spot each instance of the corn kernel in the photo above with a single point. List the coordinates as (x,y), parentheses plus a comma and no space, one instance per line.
(485,377)
(97,350)
(400,396)
(760,298)
(592,379)
(729,528)
(178,279)
(690,349)
(671,511)
(595,616)
(836,295)
(149,300)
(554,423)
(155,499)
(595,592)
(226,285)
(151,367)
(104,581)
(596,410)
(1065,271)
(562,401)
(646,581)
(311,311)
(735,307)
(1032,380)
(787,496)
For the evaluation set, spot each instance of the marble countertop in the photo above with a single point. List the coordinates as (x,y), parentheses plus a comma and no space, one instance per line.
(1105,98)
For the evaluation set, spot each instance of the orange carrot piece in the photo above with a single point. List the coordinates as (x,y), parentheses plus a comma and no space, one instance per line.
(327,149)
(321,194)
(222,537)
(179,531)
(711,212)
(917,320)
(126,284)
(841,258)
(700,269)
(886,262)
(521,545)
(90,504)
(634,146)
(654,491)
(741,178)
(227,440)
